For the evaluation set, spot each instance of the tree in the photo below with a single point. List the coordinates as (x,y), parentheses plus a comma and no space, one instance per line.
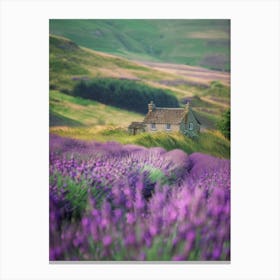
(224,124)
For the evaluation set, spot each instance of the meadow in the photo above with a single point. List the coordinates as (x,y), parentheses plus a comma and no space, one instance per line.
(129,203)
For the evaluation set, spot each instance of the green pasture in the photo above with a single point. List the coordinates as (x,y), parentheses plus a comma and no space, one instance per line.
(70,111)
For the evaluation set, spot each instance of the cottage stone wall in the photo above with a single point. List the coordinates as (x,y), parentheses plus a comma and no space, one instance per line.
(162,127)
(185,127)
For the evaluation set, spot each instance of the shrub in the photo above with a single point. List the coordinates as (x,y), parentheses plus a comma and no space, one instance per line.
(125,94)
(224,124)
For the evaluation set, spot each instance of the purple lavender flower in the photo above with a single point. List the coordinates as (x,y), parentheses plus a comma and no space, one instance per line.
(115,202)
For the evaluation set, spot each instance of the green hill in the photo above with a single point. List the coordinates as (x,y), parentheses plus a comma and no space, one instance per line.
(76,117)
(203,43)
(70,111)
(70,64)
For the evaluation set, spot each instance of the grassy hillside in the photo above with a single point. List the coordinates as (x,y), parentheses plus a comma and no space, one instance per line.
(70,111)
(80,118)
(203,43)
(70,63)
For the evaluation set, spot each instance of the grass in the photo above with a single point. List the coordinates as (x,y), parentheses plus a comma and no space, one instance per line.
(57,119)
(70,111)
(197,42)
(69,63)
(217,89)
(209,142)
(208,120)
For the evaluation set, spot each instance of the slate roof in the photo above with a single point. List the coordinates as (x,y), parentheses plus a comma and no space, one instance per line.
(194,115)
(165,115)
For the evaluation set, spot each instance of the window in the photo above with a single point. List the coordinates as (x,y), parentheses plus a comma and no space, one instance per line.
(190,126)
(168,126)
(153,126)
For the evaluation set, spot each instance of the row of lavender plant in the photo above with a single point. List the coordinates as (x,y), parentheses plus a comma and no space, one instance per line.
(114,202)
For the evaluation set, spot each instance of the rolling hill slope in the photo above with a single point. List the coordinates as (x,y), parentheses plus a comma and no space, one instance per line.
(203,43)
(80,118)
(66,110)
(70,63)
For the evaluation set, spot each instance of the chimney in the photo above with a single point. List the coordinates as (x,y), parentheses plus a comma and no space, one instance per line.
(151,106)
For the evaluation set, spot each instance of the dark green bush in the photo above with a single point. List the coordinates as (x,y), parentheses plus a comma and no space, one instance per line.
(125,94)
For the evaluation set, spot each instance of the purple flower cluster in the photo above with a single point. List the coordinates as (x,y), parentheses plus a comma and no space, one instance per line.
(122,202)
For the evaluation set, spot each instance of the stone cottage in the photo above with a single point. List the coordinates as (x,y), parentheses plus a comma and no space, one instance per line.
(171,119)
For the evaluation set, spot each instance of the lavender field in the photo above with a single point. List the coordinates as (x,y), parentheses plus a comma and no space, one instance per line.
(113,202)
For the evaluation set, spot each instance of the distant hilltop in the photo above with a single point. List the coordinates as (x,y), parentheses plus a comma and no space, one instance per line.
(203,43)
